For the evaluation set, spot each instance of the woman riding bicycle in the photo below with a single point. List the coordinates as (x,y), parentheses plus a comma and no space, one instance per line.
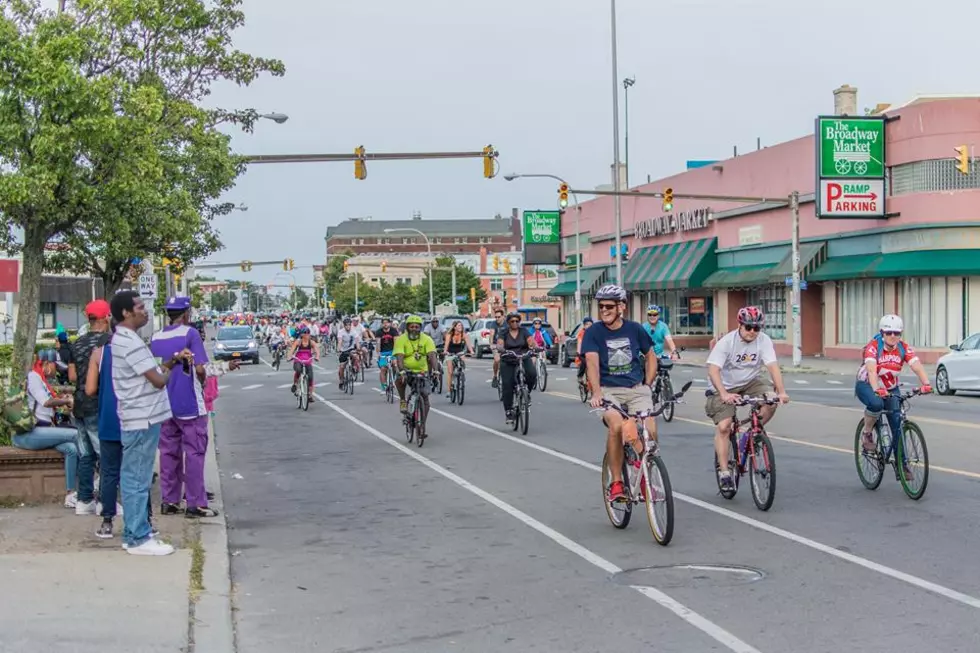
(877,380)
(303,352)
(455,344)
(516,341)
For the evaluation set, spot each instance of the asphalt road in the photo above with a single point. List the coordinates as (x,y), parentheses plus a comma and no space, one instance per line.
(345,539)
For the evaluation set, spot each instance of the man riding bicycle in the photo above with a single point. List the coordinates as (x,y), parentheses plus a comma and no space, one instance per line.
(386,344)
(612,349)
(877,379)
(303,352)
(414,352)
(735,369)
(437,332)
(659,332)
(498,314)
(348,342)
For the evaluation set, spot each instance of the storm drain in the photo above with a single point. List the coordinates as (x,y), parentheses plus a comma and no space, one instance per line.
(690,575)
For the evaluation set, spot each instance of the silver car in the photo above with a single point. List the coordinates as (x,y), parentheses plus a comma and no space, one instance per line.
(236,343)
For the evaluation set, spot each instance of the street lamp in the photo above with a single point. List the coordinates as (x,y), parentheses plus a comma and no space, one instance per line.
(428,246)
(578,240)
(627,83)
(277,118)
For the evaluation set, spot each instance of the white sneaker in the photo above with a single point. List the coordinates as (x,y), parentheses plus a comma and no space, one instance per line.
(150,548)
(99,506)
(85,507)
(71,500)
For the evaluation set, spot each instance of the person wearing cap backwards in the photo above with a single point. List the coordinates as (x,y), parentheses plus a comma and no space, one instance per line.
(86,408)
(184,436)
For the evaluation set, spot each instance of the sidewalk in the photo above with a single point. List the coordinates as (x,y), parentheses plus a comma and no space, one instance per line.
(809,364)
(64,590)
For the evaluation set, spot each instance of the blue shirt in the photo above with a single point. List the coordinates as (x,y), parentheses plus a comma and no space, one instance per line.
(619,352)
(109,429)
(658,335)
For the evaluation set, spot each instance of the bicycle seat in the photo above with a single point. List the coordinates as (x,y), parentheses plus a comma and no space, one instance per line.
(665,364)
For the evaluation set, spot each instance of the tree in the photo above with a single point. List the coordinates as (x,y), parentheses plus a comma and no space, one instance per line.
(222,300)
(302,299)
(343,294)
(393,298)
(333,271)
(442,286)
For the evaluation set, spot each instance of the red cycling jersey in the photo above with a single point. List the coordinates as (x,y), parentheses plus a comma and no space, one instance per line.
(890,362)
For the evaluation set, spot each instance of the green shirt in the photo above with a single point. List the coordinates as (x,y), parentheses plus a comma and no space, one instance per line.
(416,352)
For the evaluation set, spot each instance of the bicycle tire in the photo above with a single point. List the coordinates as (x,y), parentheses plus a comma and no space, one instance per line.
(500,388)
(305,400)
(667,396)
(360,370)
(419,420)
(351,376)
(613,509)
(390,391)
(913,428)
(516,408)
(543,377)
(662,532)
(525,410)
(876,459)
(761,440)
(460,388)
(583,392)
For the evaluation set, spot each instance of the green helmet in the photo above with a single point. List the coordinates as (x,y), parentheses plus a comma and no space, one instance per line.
(413,319)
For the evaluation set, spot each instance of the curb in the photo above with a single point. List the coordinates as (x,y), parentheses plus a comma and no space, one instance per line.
(212,629)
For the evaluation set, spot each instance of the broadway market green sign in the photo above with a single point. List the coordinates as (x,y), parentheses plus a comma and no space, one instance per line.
(851,147)
(542,227)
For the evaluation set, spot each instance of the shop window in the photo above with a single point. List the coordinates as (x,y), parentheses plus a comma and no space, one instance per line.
(686,313)
(496,284)
(926,306)
(772,301)
(45,315)
(860,304)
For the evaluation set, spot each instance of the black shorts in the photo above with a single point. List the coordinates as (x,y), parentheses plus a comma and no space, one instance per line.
(344,356)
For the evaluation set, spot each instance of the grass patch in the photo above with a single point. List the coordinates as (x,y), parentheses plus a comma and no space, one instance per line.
(197,570)
(11,502)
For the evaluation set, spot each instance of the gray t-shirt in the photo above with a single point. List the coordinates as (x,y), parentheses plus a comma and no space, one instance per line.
(438,334)
(140,404)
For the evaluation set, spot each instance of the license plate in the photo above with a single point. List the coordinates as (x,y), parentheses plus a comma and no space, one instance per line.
(236,355)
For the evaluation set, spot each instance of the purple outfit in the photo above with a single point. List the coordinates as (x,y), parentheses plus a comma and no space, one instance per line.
(183,437)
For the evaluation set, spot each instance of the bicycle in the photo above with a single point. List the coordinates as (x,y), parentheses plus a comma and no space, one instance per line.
(457,384)
(303,389)
(759,456)
(643,485)
(350,375)
(276,357)
(663,389)
(415,414)
(886,453)
(359,365)
(389,382)
(522,393)
(542,365)
(437,378)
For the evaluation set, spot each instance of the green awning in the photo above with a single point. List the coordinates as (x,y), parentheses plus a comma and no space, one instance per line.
(564,289)
(676,265)
(812,256)
(929,263)
(744,276)
(590,278)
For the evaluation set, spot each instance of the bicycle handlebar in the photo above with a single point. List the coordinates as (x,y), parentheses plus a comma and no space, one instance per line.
(643,414)
(527,354)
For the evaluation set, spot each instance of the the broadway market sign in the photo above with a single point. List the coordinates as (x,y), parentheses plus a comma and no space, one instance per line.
(673,223)
(850,167)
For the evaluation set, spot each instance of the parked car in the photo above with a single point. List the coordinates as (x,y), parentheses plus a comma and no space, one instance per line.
(480,336)
(446,321)
(552,353)
(569,347)
(960,368)
(236,342)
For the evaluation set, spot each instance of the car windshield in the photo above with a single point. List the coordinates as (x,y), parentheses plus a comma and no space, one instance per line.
(235,333)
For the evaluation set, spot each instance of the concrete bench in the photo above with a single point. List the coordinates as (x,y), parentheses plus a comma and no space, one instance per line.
(31,476)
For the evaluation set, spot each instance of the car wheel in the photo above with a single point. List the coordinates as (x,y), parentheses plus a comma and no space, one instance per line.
(942,382)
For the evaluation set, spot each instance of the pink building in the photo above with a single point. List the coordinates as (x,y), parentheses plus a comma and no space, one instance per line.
(706,259)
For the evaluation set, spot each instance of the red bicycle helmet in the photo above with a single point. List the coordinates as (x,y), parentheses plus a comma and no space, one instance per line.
(751,316)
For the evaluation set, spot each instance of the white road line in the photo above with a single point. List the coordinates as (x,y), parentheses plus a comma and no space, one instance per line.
(801,381)
(832,382)
(561,378)
(921,583)
(252,387)
(222,387)
(706,626)
(284,385)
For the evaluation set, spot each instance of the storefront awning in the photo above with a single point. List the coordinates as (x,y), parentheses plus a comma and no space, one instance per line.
(812,256)
(590,278)
(929,263)
(564,289)
(742,276)
(676,265)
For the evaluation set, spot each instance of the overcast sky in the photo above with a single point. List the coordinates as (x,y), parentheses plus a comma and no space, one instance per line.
(534,78)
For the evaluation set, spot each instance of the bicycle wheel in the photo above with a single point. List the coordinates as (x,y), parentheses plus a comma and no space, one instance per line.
(460,388)
(659,500)
(870,465)
(732,467)
(351,376)
(390,391)
(407,418)
(516,407)
(360,369)
(583,392)
(542,376)
(304,398)
(912,449)
(419,420)
(439,391)
(762,471)
(525,410)
(619,513)
(667,396)
(500,388)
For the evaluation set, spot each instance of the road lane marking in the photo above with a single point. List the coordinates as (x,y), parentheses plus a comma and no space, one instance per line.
(252,387)
(703,624)
(284,385)
(833,382)
(918,418)
(801,381)
(222,387)
(915,581)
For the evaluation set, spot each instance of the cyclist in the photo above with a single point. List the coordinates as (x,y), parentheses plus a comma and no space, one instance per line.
(386,344)
(498,314)
(303,352)
(348,342)
(542,339)
(586,323)
(659,332)
(734,369)
(414,352)
(275,340)
(518,341)
(455,343)
(612,349)
(438,334)
(364,333)
(877,379)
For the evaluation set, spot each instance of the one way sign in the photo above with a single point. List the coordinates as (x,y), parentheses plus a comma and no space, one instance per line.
(860,198)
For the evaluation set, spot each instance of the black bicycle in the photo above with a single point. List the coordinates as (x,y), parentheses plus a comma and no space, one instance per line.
(522,393)
(349,375)
(457,384)
(910,448)
(663,389)
(415,414)
(277,354)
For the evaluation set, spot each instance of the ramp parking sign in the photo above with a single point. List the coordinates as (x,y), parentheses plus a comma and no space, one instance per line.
(850,167)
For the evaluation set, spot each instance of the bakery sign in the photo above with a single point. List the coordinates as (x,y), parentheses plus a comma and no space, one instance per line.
(673,223)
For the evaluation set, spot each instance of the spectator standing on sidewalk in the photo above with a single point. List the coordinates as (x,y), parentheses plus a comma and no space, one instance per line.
(139,384)
(184,436)
(86,408)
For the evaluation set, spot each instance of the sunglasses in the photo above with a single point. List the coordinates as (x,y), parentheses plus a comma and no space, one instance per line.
(607,307)
(752,328)
(892,333)
(653,314)
(513,321)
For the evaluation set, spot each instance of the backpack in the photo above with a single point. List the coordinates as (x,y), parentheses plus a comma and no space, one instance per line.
(17,411)
(880,343)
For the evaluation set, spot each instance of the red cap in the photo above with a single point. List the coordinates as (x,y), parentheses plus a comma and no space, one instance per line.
(98,309)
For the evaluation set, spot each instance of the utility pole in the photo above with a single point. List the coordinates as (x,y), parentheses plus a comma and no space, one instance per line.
(453,268)
(617,206)
(794,206)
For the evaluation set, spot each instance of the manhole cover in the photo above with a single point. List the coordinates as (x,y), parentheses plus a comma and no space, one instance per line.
(692,575)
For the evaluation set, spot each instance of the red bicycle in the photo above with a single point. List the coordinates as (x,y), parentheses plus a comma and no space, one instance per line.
(751,452)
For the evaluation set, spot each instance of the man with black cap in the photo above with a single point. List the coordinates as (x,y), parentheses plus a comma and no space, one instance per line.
(184,436)
(86,408)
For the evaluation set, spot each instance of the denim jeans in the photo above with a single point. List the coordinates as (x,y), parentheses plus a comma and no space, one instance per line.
(135,478)
(52,437)
(110,462)
(876,405)
(88,452)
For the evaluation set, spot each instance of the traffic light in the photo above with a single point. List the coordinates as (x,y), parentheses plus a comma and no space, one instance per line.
(246,266)
(668,203)
(488,167)
(346,265)
(963,159)
(563,196)
(496,262)
(472,294)
(384,266)
(292,264)
(507,265)
(360,167)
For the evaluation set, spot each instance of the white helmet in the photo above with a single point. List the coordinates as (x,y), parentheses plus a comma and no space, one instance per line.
(891,323)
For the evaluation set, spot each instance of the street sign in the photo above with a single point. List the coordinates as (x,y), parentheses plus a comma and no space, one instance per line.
(850,167)
(542,227)
(148,286)
(460,298)
(789,283)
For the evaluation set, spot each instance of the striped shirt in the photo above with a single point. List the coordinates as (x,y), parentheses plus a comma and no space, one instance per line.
(140,404)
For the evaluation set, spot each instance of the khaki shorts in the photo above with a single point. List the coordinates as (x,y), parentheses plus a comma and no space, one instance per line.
(633,400)
(718,411)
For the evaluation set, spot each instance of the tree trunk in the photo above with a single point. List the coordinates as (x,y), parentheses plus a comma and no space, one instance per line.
(25,334)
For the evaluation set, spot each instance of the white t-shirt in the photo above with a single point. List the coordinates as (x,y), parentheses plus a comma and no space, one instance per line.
(39,395)
(314,330)
(347,339)
(741,362)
